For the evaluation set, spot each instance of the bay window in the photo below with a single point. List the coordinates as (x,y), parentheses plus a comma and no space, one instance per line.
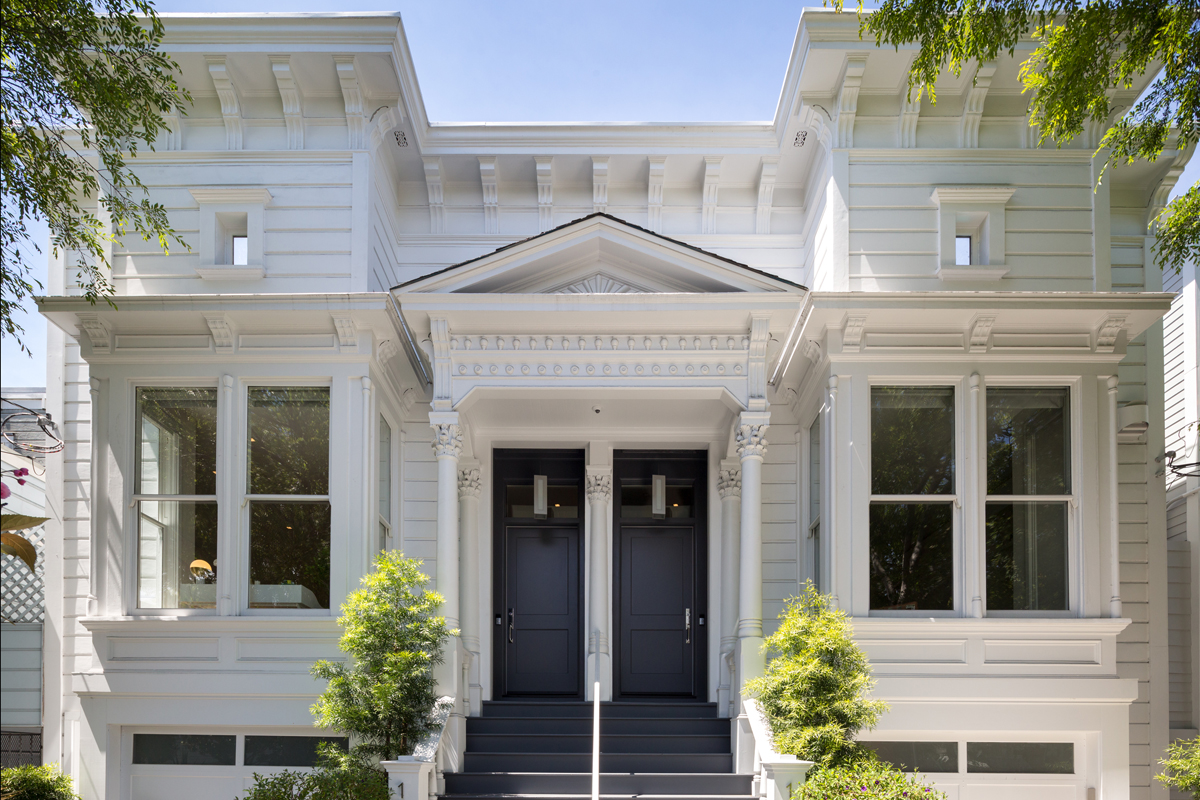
(288,496)
(912,498)
(1028,492)
(175,495)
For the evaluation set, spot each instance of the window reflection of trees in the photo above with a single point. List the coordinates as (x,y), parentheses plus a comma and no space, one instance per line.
(912,453)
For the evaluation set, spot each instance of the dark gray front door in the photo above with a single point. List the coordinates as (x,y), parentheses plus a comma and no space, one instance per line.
(537,604)
(660,599)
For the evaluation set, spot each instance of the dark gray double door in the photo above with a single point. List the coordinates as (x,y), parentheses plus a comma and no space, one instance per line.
(658,643)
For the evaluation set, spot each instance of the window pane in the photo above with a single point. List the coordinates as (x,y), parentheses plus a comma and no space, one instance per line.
(177,554)
(171,748)
(912,556)
(912,440)
(814,471)
(287,751)
(1027,556)
(289,440)
(241,251)
(289,555)
(385,469)
(637,500)
(814,563)
(562,501)
(1042,758)
(962,251)
(917,756)
(177,441)
(1029,441)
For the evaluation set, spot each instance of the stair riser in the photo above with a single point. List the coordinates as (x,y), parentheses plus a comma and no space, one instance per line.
(582,762)
(573,743)
(558,725)
(513,708)
(516,783)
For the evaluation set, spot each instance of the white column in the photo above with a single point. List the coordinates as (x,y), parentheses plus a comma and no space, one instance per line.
(751,447)
(1114,512)
(831,481)
(599,493)
(975,513)
(468,522)
(447,446)
(729,486)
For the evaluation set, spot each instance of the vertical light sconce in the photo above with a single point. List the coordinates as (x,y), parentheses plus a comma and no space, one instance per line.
(539,496)
(658,508)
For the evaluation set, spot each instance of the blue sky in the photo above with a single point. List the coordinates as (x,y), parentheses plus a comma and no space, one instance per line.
(655,60)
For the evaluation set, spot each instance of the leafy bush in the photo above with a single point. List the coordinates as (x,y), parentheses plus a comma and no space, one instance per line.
(338,776)
(813,690)
(385,696)
(1183,766)
(36,782)
(865,779)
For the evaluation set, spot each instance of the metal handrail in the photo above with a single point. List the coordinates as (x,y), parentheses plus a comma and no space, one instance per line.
(596,741)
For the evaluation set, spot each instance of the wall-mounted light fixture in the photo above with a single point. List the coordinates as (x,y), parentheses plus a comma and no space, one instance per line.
(658,507)
(539,496)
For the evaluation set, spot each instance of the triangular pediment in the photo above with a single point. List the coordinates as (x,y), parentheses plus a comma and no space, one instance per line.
(598,254)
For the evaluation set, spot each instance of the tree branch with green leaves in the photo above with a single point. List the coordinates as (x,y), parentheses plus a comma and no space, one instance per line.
(1083,54)
(82,87)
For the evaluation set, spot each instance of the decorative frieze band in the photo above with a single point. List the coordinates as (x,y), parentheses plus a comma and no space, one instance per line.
(637,342)
(601,369)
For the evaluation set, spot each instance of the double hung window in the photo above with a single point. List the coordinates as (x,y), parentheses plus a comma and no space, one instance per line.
(912,498)
(1028,492)
(175,497)
(287,492)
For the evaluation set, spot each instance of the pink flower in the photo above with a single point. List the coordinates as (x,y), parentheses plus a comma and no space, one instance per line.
(20,473)
(4,491)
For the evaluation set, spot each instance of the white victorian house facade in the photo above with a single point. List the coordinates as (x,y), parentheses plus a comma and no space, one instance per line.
(624,388)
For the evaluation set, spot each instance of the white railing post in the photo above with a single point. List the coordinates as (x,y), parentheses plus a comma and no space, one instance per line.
(776,775)
(596,741)
(419,776)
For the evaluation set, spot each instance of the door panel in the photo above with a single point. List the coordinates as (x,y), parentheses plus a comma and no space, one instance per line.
(657,604)
(542,620)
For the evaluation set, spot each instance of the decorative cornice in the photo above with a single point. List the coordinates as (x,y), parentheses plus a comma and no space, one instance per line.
(729,483)
(910,115)
(599,183)
(491,194)
(352,96)
(852,334)
(856,65)
(222,331)
(231,195)
(97,332)
(973,107)
(766,194)
(544,166)
(712,186)
(347,332)
(654,193)
(1110,331)
(469,484)
(293,104)
(231,112)
(433,184)
(972,194)
(981,334)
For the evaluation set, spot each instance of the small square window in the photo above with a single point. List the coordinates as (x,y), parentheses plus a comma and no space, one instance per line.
(962,251)
(241,251)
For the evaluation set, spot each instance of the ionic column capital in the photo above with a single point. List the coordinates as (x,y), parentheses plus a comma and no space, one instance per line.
(468,483)
(751,435)
(447,434)
(599,485)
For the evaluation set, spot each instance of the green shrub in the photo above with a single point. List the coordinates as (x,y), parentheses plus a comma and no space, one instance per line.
(385,695)
(1183,766)
(865,779)
(338,776)
(813,690)
(35,782)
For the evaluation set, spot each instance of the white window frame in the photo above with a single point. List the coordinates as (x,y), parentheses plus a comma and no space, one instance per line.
(223,213)
(132,498)
(978,212)
(1074,385)
(813,555)
(959,384)
(244,498)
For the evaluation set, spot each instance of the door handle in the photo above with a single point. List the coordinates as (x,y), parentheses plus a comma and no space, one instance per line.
(687,625)
(512,617)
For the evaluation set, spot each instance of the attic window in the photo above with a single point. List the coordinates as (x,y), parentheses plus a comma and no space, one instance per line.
(241,250)
(962,251)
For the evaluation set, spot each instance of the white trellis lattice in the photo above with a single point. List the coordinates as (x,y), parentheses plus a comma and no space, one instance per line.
(23,593)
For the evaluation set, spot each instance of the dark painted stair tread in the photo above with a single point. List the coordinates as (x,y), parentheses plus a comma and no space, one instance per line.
(646,726)
(560,783)
(610,762)
(609,743)
(575,708)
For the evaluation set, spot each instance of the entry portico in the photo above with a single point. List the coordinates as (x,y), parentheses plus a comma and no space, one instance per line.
(606,337)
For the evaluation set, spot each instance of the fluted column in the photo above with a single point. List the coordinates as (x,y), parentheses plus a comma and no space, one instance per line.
(1114,510)
(751,447)
(468,522)
(599,493)
(729,486)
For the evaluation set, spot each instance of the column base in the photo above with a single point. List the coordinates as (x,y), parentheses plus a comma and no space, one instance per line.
(751,662)
(409,778)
